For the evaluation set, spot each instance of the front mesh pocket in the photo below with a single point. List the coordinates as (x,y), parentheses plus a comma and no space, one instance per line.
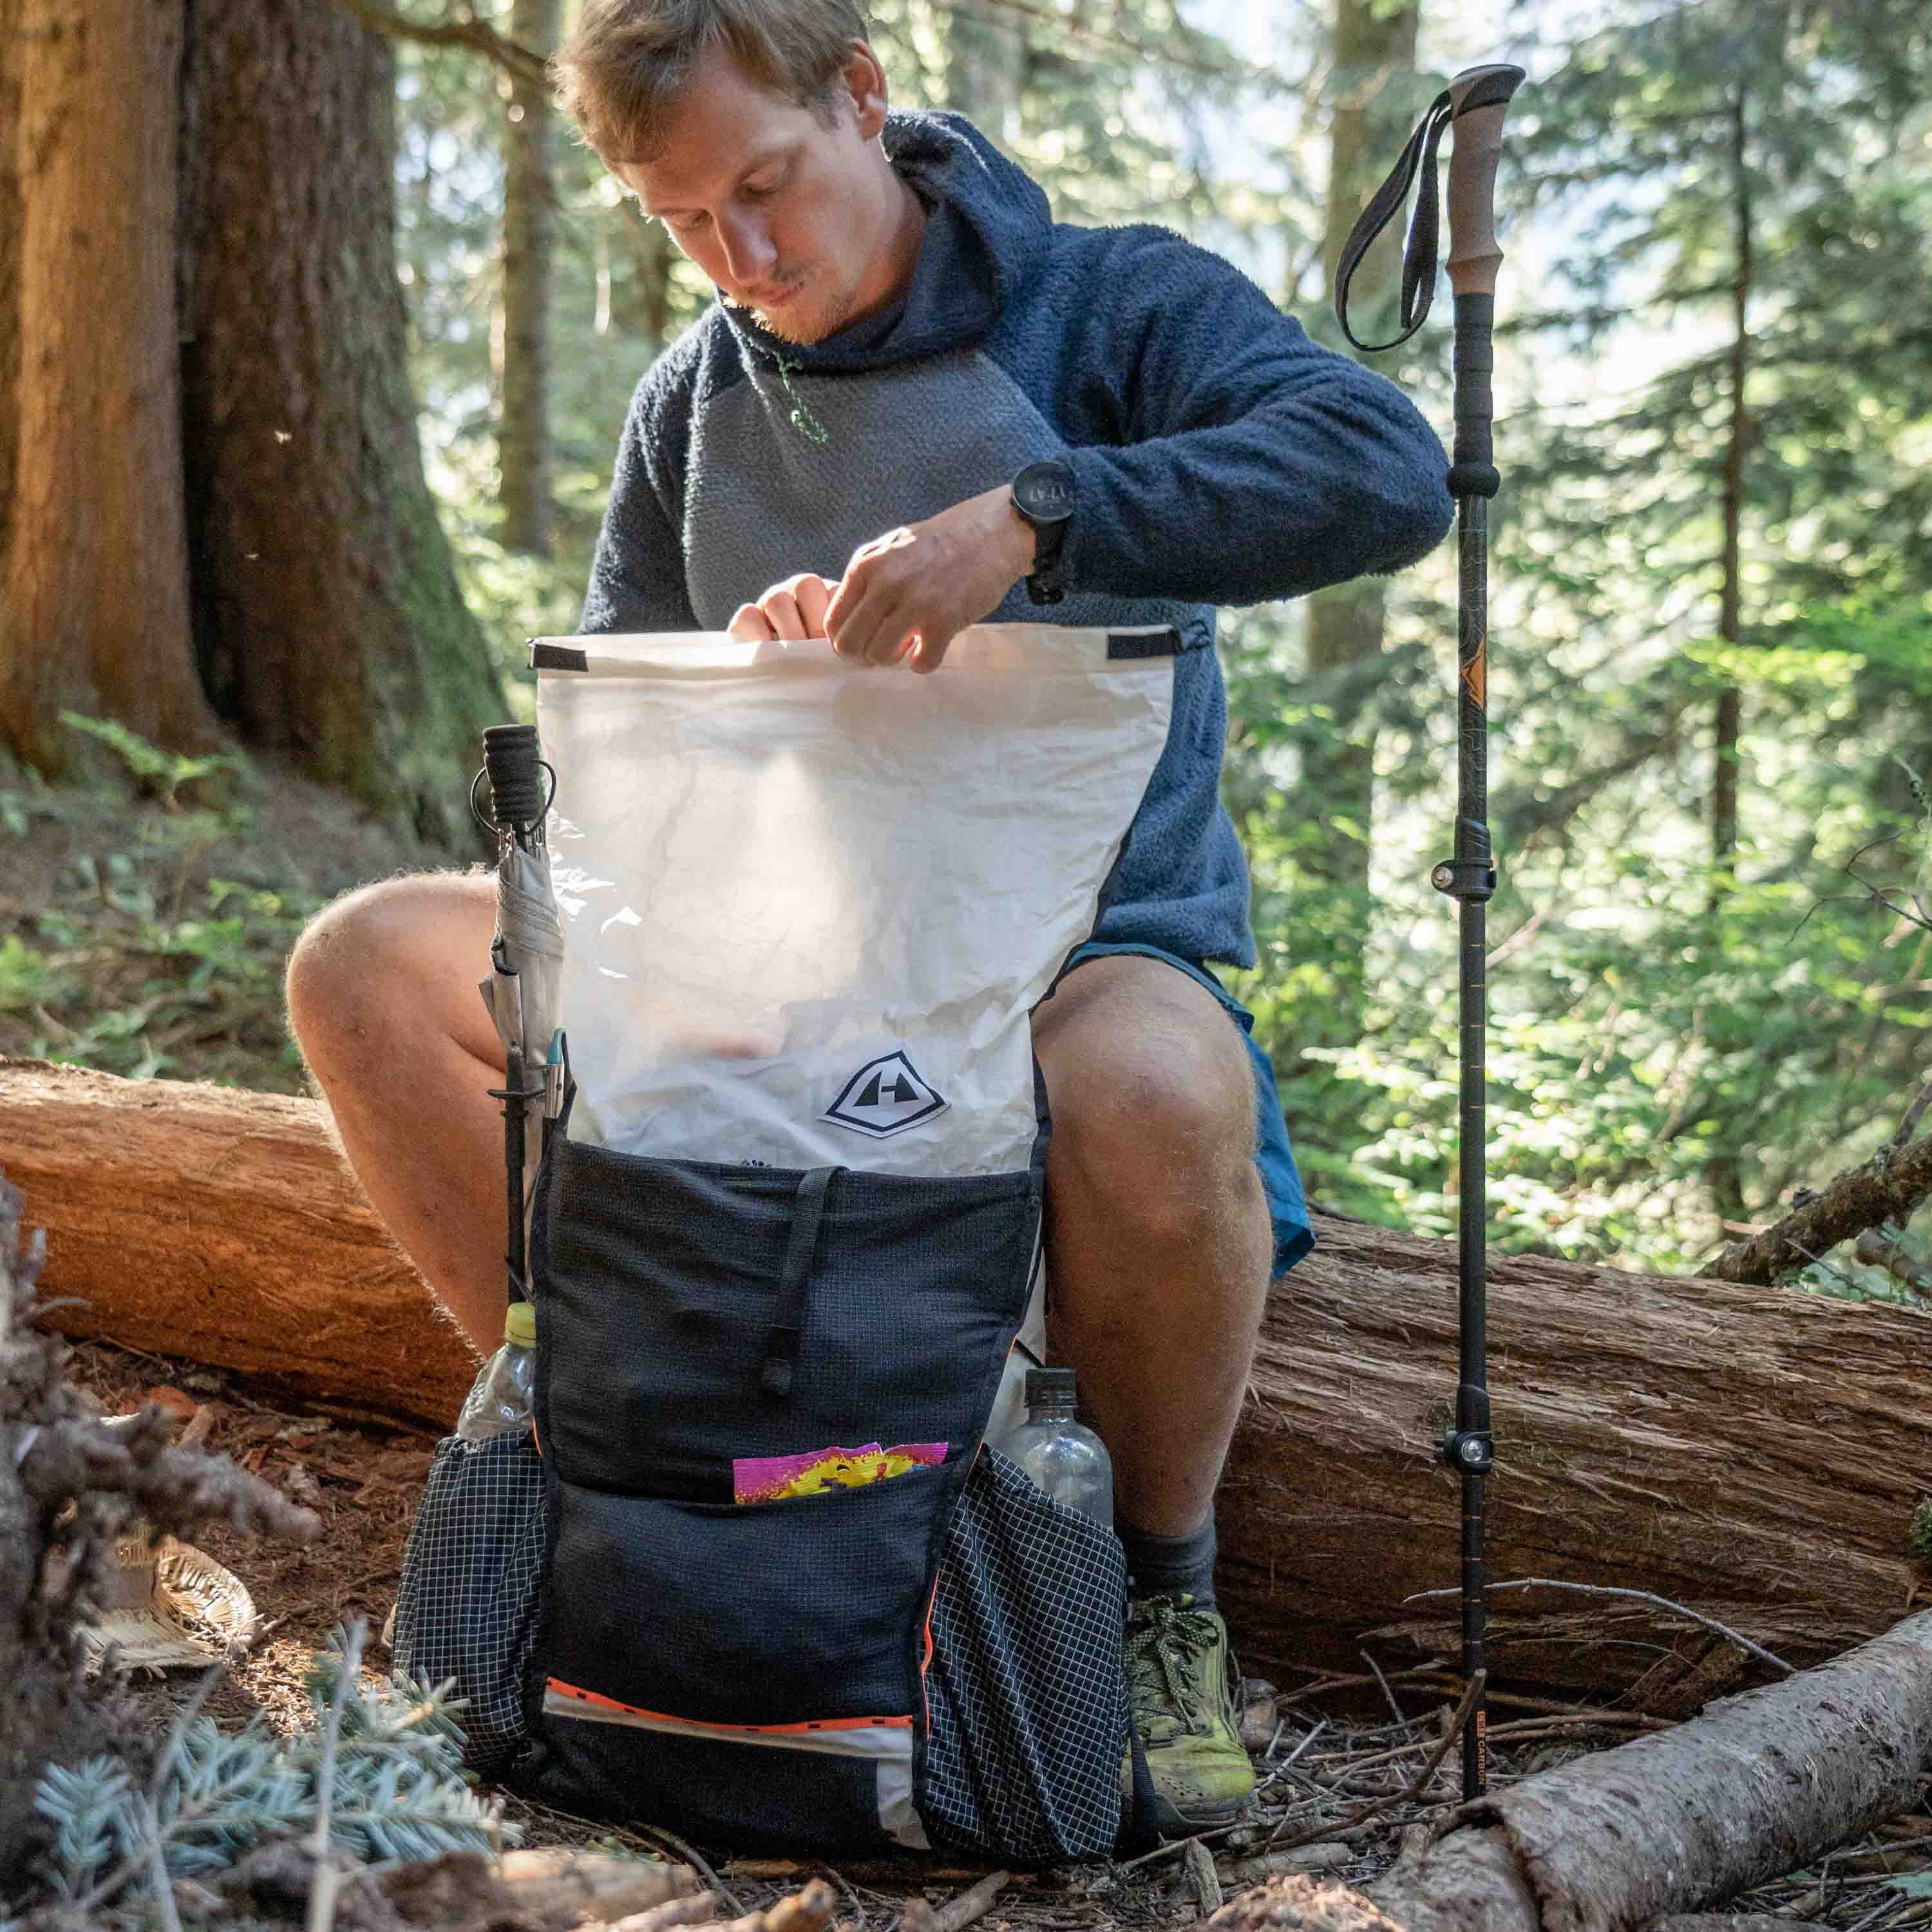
(1026,1691)
(466,1608)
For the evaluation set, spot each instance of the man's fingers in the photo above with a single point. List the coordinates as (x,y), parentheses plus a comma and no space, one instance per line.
(929,653)
(873,630)
(813,595)
(782,612)
(750,625)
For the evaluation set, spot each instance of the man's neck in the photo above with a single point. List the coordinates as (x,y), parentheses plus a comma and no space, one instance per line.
(891,274)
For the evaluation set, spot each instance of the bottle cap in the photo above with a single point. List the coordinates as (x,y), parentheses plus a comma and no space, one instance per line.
(1044,1385)
(520,1324)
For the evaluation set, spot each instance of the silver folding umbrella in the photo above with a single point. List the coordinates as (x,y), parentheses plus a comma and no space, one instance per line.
(526,959)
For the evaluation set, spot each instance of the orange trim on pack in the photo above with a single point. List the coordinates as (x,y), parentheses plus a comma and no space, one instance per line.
(564,1690)
(925,1662)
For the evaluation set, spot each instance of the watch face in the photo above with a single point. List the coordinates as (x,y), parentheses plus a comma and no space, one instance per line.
(1044,492)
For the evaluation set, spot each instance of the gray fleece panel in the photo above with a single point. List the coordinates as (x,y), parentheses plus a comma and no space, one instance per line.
(791,471)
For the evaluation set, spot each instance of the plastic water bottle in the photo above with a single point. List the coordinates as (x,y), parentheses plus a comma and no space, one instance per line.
(1063,1456)
(502,1397)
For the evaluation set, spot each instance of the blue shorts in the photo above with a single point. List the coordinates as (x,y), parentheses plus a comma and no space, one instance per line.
(1287,1206)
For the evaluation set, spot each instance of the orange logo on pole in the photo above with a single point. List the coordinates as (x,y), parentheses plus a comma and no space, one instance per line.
(1476,675)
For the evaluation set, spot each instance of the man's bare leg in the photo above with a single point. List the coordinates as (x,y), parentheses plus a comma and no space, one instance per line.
(1159,1241)
(1159,1249)
(382,1001)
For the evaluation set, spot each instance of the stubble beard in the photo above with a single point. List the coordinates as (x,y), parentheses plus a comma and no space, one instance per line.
(805,321)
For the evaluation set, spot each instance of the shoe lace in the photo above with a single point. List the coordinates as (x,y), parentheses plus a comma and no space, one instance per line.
(1166,1651)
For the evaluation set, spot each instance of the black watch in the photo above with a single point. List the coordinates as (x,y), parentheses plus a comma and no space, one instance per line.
(1042,494)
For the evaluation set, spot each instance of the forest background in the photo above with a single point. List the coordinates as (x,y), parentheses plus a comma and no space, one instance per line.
(313,354)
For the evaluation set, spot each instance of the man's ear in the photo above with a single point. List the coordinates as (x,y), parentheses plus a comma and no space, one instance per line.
(865,81)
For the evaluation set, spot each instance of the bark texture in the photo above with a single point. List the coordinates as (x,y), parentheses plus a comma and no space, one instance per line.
(529,237)
(1757,1786)
(224,1226)
(1755,1453)
(328,617)
(96,604)
(10,273)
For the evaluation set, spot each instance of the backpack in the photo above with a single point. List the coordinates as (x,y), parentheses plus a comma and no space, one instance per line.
(756,1571)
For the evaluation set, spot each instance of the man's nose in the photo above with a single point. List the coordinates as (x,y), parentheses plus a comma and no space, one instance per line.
(748,253)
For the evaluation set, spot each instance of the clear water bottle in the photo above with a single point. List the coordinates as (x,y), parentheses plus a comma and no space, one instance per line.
(502,1398)
(1063,1456)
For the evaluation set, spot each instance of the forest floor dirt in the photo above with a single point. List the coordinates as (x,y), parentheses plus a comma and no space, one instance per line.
(1323,1755)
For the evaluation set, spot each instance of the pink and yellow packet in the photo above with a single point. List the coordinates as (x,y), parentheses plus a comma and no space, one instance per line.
(766,1479)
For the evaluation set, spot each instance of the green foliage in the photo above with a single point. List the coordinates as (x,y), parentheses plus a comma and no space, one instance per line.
(131,955)
(1919,1537)
(159,773)
(395,1790)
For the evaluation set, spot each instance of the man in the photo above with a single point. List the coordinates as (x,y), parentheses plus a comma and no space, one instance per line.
(902,332)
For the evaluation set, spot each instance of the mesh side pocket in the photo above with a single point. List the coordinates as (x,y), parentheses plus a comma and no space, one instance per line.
(1026,1691)
(467,1606)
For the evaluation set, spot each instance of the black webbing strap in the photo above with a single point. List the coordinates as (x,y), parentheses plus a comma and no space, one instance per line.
(781,1345)
(1418,260)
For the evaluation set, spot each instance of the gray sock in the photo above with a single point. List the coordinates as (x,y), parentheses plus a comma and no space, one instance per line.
(1163,1565)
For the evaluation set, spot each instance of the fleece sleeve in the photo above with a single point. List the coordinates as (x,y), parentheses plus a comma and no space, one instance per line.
(1234,459)
(636,572)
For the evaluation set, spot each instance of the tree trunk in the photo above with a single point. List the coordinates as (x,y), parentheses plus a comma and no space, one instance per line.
(1755,1453)
(985,66)
(530,230)
(328,618)
(10,276)
(96,609)
(644,307)
(1374,46)
(1730,615)
(1726,1176)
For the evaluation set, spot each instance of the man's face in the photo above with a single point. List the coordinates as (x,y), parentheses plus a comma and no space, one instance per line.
(785,214)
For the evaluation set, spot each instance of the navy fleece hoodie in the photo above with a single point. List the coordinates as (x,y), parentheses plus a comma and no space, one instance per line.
(1220,456)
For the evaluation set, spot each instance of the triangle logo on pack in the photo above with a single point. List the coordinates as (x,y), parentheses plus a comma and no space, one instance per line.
(886,1096)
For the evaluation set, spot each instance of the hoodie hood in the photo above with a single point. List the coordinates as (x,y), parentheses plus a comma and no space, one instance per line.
(987,227)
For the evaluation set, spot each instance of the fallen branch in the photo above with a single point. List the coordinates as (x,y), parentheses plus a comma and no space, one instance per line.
(956,1914)
(1889,1186)
(1737,1637)
(1758,1786)
(1336,1827)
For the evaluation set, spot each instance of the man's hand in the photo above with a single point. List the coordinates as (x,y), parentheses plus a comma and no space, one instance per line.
(907,595)
(792,610)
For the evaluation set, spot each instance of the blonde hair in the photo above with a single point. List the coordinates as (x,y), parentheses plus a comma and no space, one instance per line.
(626,61)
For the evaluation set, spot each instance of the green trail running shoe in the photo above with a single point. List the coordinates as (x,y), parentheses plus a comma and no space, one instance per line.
(1178,1685)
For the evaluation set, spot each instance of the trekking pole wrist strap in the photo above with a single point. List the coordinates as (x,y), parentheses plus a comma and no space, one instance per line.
(1472,179)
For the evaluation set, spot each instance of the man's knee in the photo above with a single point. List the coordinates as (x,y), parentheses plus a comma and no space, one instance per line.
(1157,1123)
(386,955)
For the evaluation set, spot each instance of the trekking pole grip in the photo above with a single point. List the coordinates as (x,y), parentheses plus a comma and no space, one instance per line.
(1480,98)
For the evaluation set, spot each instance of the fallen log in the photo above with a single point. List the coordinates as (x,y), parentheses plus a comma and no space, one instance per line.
(1757,1786)
(1754,1454)
(221,1225)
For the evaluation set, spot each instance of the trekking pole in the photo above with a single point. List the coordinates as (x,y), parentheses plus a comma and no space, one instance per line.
(1475,102)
